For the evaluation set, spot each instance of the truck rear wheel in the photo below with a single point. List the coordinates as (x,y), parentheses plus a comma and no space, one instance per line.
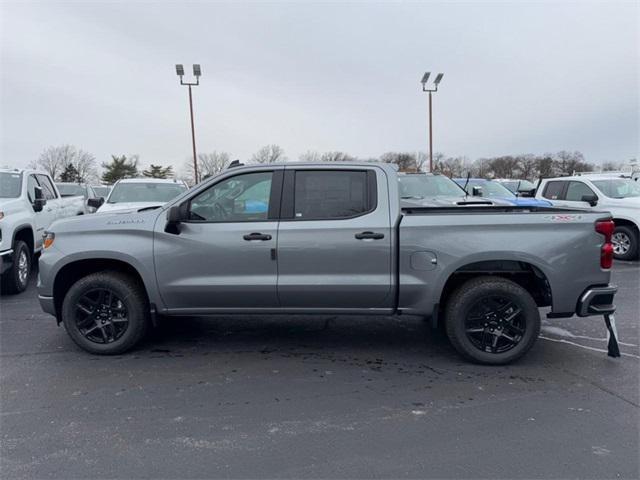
(625,243)
(492,320)
(16,278)
(106,313)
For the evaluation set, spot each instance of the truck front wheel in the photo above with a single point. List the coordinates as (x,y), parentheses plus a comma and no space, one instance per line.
(16,278)
(106,313)
(492,320)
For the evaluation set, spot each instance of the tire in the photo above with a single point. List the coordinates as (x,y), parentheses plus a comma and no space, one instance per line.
(16,278)
(99,327)
(625,243)
(470,324)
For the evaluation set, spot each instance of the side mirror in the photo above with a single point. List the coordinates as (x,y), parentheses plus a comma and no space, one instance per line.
(39,201)
(476,191)
(527,193)
(590,199)
(176,215)
(95,202)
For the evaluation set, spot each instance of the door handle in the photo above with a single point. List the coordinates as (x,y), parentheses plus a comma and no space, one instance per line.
(256,236)
(369,235)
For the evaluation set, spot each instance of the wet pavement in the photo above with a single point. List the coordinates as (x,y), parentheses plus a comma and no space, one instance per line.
(311,396)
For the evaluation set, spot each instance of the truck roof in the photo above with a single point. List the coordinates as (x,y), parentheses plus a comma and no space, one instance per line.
(23,170)
(150,180)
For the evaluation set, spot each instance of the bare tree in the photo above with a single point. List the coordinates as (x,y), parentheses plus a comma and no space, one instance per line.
(86,166)
(612,166)
(337,157)
(55,160)
(269,154)
(310,156)
(406,161)
(209,164)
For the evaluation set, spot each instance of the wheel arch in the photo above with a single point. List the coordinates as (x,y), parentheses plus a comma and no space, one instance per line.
(25,233)
(71,272)
(526,274)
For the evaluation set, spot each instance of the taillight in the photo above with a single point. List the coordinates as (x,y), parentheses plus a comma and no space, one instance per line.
(606,227)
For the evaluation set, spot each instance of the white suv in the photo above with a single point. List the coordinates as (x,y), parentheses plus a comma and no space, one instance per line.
(617,194)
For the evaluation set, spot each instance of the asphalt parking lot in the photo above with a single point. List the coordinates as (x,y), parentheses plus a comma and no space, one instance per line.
(318,397)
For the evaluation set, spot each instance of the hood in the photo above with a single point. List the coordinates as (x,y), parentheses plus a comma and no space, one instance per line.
(115,207)
(109,221)
(446,201)
(8,205)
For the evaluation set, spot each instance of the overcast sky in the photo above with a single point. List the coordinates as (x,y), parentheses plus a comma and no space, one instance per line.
(519,78)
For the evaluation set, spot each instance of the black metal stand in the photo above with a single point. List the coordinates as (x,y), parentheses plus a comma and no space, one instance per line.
(613,350)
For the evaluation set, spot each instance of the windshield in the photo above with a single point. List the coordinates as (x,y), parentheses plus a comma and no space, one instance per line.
(70,189)
(524,185)
(489,189)
(101,191)
(145,192)
(618,187)
(10,184)
(421,186)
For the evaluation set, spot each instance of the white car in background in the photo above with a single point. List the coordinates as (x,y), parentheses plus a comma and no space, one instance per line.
(136,193)
(618,194)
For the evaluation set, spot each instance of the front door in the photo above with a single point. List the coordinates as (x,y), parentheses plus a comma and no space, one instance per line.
(223,257)
(334,240)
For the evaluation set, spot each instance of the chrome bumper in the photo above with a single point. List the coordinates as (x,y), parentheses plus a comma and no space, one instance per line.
(597,301)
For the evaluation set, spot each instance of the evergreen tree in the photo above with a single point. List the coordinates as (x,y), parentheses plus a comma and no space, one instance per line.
(158,171)
(70,174)
(119,168)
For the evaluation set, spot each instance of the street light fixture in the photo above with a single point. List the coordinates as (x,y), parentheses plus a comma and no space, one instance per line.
(197,72)
(425,88)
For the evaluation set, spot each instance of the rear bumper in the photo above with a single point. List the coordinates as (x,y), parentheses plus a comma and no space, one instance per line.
(596,301)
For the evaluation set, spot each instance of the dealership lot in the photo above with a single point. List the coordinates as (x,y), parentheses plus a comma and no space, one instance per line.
(318,397)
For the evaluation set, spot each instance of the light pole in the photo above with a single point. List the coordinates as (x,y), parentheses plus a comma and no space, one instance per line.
(196,73)
(425,79)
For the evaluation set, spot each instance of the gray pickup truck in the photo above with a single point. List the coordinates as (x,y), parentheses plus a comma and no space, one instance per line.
(326,239)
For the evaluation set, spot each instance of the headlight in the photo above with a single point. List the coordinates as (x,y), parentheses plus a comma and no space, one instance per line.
(48,238)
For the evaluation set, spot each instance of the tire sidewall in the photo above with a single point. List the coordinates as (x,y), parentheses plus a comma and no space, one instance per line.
(14,276)
(457,315)
(135,313)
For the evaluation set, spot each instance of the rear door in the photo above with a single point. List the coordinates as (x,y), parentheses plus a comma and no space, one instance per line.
(554,190)
(334,239)
(224,256)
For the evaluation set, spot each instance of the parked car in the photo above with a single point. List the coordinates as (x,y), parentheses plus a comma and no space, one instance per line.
(328,238)
(522,188)
(29,203)
(83,190)
(619,195)
(432,190)
(497,191)
(101,190)
(140,193)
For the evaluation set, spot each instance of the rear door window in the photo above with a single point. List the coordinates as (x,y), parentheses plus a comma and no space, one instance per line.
(553,190)
(331,195)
